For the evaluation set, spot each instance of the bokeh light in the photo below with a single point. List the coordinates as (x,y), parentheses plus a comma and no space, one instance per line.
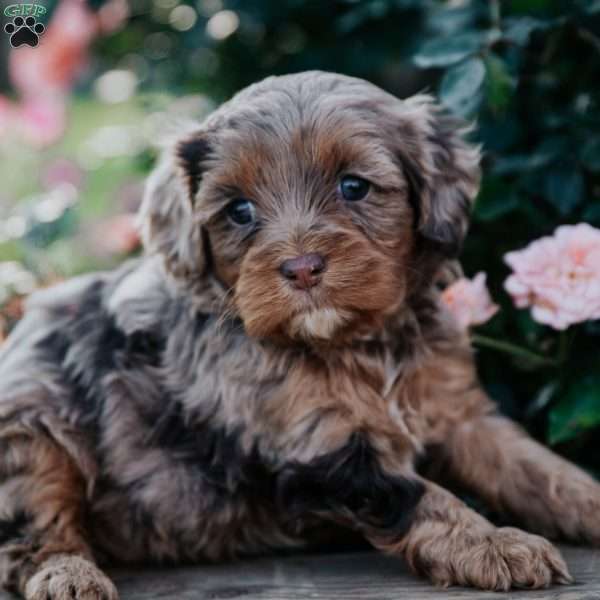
(116,86)
(222,24)
(183,17)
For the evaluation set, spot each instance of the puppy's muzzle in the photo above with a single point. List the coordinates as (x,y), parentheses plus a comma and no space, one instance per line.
(303,272)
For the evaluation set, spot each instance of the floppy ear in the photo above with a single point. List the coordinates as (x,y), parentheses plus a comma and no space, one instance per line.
(443,171)
(168,223)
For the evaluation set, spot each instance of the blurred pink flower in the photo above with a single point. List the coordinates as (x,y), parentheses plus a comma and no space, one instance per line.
(60,171)
(61,54)
(117,235)
(112,15)
(558,276)
(38,121)
(469,301)
(41,121)
(43,75)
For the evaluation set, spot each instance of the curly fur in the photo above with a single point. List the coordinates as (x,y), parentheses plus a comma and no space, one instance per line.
(192,405)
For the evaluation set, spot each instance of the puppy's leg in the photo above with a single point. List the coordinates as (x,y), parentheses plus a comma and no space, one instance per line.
(372,488)
(43,552)
(451,544)
(496,459)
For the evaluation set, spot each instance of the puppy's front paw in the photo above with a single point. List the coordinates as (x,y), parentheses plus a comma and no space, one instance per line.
(532,561)
(69,577)
(501,560)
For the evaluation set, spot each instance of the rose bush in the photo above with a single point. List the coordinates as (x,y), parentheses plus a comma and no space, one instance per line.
(558,278)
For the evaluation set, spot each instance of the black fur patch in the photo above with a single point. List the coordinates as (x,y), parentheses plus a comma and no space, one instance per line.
(217,455)
(96,333)
(143,347)
(350,481)
(97,347)
(54,347)
(447,236)
(88,344)
(208,254)
(416,183)
(347,482)
(14,528)
(191,153)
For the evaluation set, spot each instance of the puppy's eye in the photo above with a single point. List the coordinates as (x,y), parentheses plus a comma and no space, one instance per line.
(354,188)
(241,212)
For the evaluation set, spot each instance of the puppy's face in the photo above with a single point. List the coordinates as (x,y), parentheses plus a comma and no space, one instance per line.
(307,198)
(308,221)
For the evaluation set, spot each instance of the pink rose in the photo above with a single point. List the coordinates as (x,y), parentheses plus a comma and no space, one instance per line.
(469,301)
(558,276)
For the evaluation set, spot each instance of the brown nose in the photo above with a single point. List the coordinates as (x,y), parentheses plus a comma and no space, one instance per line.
(303,271)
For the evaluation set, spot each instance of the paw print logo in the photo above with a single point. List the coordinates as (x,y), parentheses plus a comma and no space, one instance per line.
(24,31)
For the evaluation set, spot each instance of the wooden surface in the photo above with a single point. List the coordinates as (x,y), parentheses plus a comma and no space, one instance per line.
(352,576)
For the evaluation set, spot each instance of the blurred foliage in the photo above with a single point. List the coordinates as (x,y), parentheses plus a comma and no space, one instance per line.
(527,71)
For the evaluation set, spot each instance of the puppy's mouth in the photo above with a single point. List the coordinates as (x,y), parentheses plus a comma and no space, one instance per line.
(330,297)
(317,323)
(310,309)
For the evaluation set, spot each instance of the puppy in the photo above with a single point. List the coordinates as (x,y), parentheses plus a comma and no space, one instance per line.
(266,375)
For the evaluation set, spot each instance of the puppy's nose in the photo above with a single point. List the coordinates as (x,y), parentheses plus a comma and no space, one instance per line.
(303,271)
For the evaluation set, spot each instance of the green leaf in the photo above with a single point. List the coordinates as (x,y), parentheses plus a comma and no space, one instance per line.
(518,163)
(564,189)
(500,135)
(496,199)
(556,146)
(446,51)
(528,6)
(589,6)
(500,85)
(578,410)
(551,149)
(591,214)
(360,15)
(450,20)
(518,30)
(590,155)
(459,90)
(530,330)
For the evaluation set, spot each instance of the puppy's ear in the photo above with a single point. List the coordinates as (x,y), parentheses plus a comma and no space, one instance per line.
(168,223)
(443,172)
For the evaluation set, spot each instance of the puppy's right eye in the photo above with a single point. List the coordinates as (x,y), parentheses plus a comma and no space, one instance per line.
(241,212)
(353,188)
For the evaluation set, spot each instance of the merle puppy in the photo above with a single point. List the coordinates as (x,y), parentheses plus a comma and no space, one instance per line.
(265,376)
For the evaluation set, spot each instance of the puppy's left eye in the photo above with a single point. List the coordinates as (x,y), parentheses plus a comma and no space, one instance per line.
(241,212)
(354,188)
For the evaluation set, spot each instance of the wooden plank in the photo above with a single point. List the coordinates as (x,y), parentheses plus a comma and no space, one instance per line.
(351,576)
